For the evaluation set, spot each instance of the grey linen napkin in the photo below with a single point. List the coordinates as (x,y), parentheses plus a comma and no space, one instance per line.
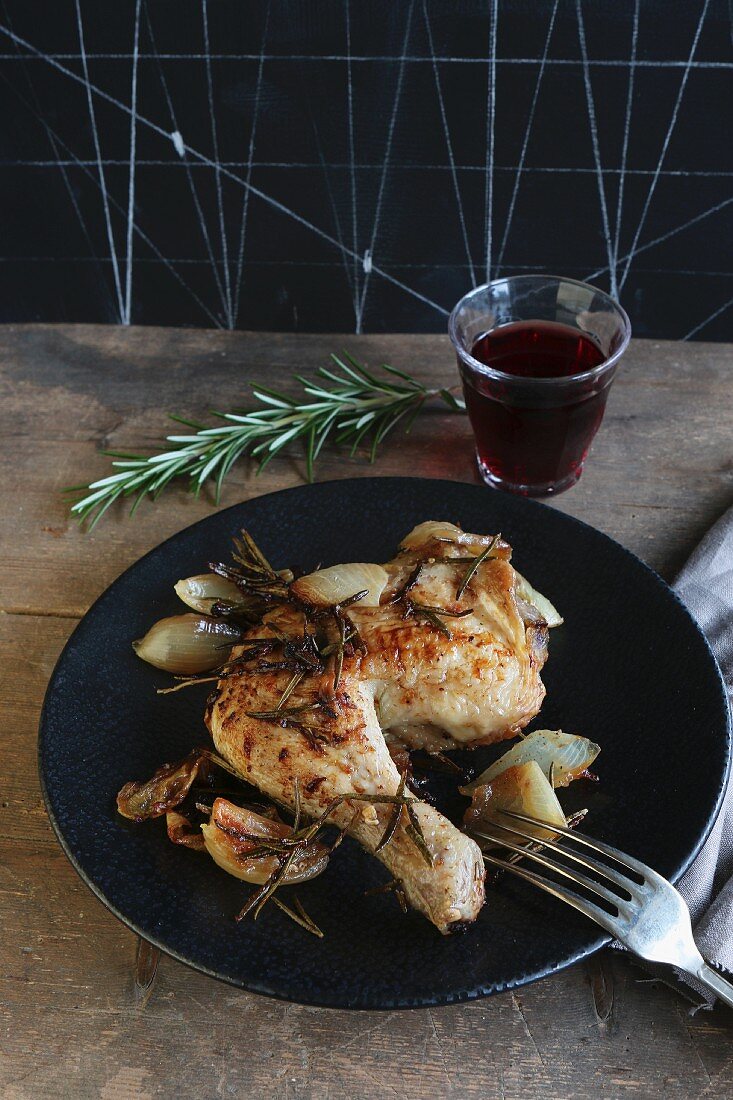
(705,586)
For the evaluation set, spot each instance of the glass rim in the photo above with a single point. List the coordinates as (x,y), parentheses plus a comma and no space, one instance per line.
(523,380)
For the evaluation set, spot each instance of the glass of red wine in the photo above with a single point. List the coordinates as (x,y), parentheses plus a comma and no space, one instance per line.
(537,356)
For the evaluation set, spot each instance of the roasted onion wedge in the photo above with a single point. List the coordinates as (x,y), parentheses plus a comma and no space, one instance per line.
(565,754)
(328,587)
(531,596)
(234,834)
(441,532)
(181,831)
(523,788)
(431,529)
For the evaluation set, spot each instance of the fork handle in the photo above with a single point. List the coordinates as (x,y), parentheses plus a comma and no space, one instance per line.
(715,982)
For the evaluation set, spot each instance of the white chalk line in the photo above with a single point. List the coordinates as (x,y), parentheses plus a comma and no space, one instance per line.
(217,168)
(596,147)
(665,145)
(627,131)
(131,184)
(183,159)
(250,160)
(525,140)
(449,144)
(100,169)
(490,137)
(268,199)
(370,266)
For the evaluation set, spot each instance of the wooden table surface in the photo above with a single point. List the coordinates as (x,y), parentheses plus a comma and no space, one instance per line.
(661,471)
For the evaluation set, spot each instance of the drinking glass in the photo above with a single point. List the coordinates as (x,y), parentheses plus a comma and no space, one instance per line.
(533,433)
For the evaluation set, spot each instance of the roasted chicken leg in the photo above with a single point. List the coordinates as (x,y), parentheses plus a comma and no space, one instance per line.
(449,653)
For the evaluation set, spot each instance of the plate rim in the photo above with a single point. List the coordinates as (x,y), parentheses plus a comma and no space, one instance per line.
(392,1004)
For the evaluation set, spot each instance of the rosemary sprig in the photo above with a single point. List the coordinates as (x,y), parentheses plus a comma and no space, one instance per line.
(301,917)
(282,713)
(348,405)
(395,886)
(432,615)
(339,652)
(395,816)
(288,848)
(296,818)
(416,835)
(259,898)
(292,684)
(475,564)
(409,584)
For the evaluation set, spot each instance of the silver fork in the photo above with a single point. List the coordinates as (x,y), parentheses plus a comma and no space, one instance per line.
(651,917)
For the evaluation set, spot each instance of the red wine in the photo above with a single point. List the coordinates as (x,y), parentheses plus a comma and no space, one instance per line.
(538,349)
(534,438)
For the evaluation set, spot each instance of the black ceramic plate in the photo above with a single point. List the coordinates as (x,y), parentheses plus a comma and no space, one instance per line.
(629,668)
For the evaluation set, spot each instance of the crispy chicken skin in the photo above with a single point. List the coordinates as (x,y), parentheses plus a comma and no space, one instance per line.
(481,685)
(352,759)
(416,684)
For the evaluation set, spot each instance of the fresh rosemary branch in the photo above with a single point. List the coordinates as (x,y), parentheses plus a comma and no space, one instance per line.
(348,404)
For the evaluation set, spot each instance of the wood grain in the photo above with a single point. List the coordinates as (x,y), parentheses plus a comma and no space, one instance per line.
(73,1023)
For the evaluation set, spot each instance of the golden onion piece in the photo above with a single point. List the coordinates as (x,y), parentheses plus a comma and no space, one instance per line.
(445,532)
(181,831)
(145,798)
(202,591)
(187,644)
(567,754)
(233,831)
(338,583)
(523,789)
(432,529)
(455,542)
(530,595)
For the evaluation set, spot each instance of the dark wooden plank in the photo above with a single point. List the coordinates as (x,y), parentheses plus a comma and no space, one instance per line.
(72,1022)
(660,472)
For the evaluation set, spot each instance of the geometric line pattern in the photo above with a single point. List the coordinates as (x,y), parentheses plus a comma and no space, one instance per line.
(362,175)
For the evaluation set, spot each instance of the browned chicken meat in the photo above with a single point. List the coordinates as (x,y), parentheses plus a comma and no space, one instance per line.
(476,682)
(443,647)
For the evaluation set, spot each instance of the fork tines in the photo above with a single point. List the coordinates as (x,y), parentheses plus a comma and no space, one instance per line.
(644,911)
(627,892)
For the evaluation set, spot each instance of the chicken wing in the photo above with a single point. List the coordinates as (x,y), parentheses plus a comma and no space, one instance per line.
(478,682)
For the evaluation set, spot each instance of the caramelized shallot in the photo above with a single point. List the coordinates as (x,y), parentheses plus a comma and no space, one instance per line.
(523,789)
(187,644)
(181,831)
(240,842)
(565,755)
(531,596)
(166,790)
(206,589)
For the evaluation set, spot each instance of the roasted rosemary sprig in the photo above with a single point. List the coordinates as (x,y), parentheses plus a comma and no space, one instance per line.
(300,917)
(348,405)
(288,848)
(475,564)
(395,886)
(432,616)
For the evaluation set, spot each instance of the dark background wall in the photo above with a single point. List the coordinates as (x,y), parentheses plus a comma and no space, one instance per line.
(356,166)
